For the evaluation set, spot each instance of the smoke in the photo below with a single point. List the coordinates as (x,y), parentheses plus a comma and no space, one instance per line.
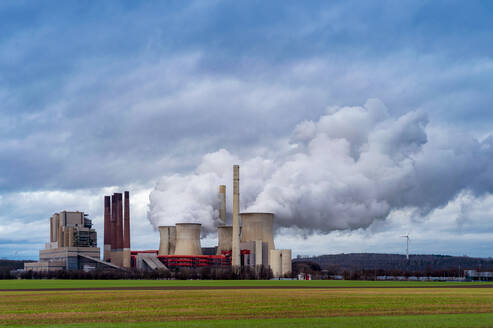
(351,167)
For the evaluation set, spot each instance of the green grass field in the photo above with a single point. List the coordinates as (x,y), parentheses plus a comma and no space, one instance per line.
(299,307)
(416,321)
(35,284)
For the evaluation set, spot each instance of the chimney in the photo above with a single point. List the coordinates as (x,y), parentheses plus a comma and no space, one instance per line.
(126,231)
(235,256)
(113,225)
(107,228)
(116,256)
(222,210)
(119,221)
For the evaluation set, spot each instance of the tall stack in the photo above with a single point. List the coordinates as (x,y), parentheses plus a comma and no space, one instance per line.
(235,252)
(126,232)
(107,228)
(117,229)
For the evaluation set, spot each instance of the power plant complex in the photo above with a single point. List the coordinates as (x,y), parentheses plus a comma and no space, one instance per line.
(249,241)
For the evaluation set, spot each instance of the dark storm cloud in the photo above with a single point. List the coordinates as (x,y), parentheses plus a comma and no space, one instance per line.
(93,94)
(97,94)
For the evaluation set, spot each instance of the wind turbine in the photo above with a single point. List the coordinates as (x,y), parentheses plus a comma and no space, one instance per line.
(407,245)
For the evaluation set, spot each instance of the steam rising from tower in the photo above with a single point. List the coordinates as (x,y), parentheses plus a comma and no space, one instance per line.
(343,171)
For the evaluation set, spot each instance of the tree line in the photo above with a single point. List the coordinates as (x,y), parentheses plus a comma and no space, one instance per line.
(204,273)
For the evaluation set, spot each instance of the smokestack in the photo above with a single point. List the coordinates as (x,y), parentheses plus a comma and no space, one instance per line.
(107,228)
(126,231)
(235,253)
(119,222)
(222,210)
(113,225)
(119,229)
(188,239)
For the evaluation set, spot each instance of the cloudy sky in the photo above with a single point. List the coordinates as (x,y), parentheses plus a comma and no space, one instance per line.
(355,122)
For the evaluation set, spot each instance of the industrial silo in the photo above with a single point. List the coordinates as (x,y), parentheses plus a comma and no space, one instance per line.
(167,241)
(258,226)
(188,239)
(225,239)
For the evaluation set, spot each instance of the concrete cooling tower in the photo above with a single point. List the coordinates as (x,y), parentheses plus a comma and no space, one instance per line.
(258,226)
(225,239)
(188,239)
(167,240)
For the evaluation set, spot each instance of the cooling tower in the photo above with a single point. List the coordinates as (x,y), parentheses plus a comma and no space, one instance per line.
(235,247)
(188,239)
(222,210)
(258,226)
(167,240)
(225,238)
(286,261)
(275,262)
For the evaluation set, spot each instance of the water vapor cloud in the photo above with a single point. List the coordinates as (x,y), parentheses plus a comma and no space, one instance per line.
(352,166)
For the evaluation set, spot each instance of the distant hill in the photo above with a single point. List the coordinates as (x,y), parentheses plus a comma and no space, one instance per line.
(339,263)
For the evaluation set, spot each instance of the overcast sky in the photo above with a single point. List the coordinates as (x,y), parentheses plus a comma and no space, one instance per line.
(387,104)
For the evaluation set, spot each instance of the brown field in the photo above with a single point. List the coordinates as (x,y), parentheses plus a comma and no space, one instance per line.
(63,307)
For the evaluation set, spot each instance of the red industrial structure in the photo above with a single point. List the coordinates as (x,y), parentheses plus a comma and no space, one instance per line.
(194,261)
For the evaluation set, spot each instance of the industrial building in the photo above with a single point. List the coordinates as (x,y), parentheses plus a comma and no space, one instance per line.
(117,230)
(72,246)
(249,241)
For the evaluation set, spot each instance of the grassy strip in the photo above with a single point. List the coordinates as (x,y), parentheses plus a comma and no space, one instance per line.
(415,321)
(37,284)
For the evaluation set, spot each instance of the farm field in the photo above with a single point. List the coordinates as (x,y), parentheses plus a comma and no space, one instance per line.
(421,321)
(332,304)
(51,284)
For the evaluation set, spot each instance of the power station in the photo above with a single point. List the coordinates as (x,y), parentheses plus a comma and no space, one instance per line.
(249,241)
(72,246)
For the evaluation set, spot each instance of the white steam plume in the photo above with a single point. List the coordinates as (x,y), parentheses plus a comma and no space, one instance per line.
(351,167)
